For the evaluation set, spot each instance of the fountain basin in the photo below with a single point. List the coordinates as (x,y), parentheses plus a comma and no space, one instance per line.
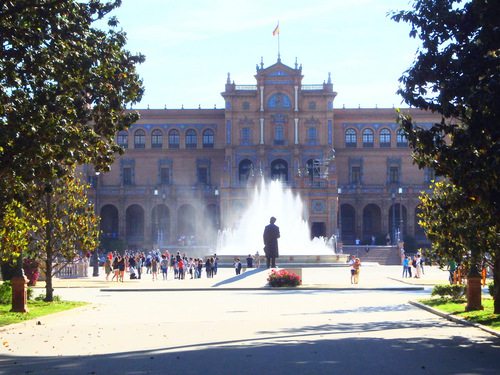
(330,260)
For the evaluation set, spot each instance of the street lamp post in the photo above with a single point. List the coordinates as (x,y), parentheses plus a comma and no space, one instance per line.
(393,229)
(401,238)
(339,191)
(95,271)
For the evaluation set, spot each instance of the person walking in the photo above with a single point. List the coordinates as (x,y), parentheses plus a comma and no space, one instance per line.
(107,267)
(353,270)
(357,268)
(237,266)
(271,235)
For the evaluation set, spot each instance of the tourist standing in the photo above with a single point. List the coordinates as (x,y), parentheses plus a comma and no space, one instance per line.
(271,235)
(357,268)
(237,266)
(405,267)
(249,261)
(257,260)
(353,270)
(107,267)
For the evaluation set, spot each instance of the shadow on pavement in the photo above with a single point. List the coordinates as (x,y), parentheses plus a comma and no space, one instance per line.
(242,276)
(320,349)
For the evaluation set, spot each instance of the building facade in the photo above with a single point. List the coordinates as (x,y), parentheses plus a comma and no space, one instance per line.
(186,173)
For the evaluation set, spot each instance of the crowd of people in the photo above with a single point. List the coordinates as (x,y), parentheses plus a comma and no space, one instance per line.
(156,264)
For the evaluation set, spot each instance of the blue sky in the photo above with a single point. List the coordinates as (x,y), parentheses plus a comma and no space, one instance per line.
(191,45)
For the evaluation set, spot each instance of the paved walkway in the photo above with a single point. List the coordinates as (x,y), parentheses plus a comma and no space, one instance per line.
(372,276)
(241,328)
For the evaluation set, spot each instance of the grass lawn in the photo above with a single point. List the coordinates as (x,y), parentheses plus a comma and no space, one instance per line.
(36,309)
(457,307)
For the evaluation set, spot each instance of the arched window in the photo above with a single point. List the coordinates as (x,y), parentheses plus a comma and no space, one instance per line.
(173,138)
(401,139)
(279,138)
(140,139)
(385,138)
(367,138)
(122,138)
(208,138)
(279,100)
(156,139)
(191,138)
(245,170)
(279,170)
(350,138)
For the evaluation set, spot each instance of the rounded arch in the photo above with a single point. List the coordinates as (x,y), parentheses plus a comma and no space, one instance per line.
(348,222)
(279,100)
(368,137)
(140,138)
(122,138)
(208,138)
(186,219)
(160,228)
(372,220)
(279,170)
(109,221)
(174,137)
(385,137)
(191,137)
(211,217)
(351,137)
(245,170)
(157,138)
(134,219)
(397,221)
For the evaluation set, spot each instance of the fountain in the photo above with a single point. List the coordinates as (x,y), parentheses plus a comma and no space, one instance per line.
(295,244)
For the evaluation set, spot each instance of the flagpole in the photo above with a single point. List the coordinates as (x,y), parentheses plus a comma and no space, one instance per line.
(277,32)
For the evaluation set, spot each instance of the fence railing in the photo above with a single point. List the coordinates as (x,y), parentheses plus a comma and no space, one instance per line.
(69,270)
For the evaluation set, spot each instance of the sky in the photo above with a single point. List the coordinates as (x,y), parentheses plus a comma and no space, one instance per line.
(192,45)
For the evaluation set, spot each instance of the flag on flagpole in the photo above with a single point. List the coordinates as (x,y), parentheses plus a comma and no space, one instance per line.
(276,30)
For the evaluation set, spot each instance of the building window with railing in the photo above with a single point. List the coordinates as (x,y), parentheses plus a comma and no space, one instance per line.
(127,176)
(156,139)
(367,138)
(164,176)
(350,138)
(394,175)
(312,133)
(122,139)
(140,139)
(191,138)
(173,138)
(385,138)
(401,139)
(208,138)
(279,136)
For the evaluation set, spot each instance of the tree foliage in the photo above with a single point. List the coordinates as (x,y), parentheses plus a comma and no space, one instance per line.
(457,73)
(65,224)
(64,84)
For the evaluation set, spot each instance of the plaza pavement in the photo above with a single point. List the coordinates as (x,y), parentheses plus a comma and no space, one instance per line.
(372,276)
(235,325)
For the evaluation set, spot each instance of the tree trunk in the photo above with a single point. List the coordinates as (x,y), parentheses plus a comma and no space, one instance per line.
(49,290)
(496,283)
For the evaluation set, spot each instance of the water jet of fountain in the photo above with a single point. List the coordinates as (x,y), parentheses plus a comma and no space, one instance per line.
(272,199)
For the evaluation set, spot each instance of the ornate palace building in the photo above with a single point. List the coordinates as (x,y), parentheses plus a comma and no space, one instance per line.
(190,172)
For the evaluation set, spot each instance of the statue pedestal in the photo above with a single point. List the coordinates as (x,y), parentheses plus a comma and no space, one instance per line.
(19,294)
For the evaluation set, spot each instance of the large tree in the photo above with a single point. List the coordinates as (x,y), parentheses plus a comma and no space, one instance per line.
(65,224)
(64,85)
(461,229)
(456,73)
